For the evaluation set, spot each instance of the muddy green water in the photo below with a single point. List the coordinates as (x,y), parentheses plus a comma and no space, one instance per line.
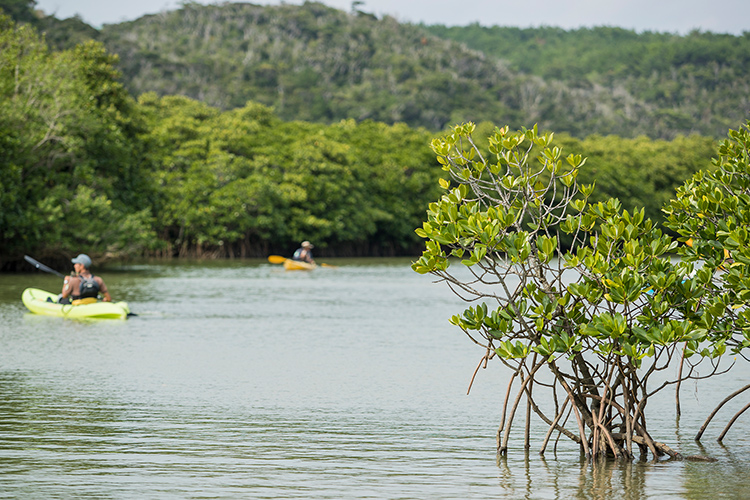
(242,380)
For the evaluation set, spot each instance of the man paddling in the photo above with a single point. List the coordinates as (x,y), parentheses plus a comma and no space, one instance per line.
(83,287)
(304,253)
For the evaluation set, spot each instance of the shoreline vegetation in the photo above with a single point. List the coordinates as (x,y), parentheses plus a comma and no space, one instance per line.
(95,160)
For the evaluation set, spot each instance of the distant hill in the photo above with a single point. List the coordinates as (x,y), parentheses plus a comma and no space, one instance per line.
(320,64)
(694,83)
(314,63)
(59,34)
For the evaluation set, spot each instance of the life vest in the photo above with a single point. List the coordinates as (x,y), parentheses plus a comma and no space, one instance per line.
(89,287)
(298,255)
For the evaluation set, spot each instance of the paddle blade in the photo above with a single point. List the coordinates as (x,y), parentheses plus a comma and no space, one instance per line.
(329,265)
(276,259)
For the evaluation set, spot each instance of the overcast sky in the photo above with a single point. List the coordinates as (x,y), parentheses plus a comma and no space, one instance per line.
(673,16)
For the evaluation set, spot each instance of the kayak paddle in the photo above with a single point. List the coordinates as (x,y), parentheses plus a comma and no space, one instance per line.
(42,267)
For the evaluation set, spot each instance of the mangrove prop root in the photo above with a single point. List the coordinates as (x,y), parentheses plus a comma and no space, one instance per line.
(552,426)
(482,361)
(716,410)
(525,382)
(662,448)
(505,409)
(726,429)
(584,443)
(679,382)
(605,427)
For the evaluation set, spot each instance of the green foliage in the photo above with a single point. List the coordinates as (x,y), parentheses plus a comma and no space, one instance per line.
(237,181)
(68,125)
(640,172)
(59,34)
(711,211)
(204,180)
(65,34)
(65,213)
(309,62)
(508,212)
(20,11)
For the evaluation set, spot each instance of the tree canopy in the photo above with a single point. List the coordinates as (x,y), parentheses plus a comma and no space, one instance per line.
(243,181)
(72,170)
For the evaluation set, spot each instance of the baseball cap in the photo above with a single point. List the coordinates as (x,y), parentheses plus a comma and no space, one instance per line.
(82,259)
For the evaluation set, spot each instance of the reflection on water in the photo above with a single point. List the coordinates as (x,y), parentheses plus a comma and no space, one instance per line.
(241,380)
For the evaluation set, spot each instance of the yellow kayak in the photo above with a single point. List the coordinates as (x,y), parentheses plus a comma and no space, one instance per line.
(290,264)
(298,265)
(36,301)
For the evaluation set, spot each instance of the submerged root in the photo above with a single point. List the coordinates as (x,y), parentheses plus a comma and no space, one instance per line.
(716,410)
(699,458)
(661,448)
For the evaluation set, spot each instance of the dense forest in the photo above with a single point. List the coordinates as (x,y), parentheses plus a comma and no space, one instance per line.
(239,130)
(320,64)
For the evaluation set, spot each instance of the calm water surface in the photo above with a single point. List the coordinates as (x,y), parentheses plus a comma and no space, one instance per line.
(242,380)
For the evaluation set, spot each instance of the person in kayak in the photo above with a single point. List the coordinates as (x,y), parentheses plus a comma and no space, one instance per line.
(304,253)
(83,287)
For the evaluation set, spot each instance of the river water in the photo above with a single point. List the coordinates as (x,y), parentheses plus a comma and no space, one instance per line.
(241,380)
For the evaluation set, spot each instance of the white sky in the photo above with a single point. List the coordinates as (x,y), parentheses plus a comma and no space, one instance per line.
(673,16)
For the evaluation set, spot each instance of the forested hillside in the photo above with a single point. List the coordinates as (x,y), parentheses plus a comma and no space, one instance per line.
(320,64)
(60,34)
(695,83)
(315,63)
(311,63)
